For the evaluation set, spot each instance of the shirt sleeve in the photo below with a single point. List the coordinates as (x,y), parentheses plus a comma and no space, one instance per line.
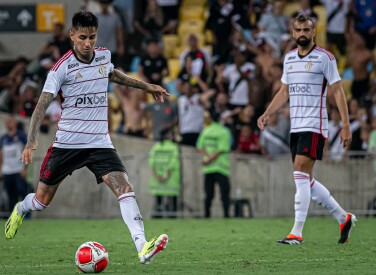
(284,74)
(54,81)
(330,70)
(111,66)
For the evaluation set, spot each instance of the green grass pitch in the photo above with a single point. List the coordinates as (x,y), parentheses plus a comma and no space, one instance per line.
(218,246)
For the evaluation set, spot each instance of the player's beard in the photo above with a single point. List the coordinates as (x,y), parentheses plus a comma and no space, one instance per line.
(303,41)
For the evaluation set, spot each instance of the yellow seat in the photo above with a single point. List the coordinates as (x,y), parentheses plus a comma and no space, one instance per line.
(290,8)
(170,41)
(191,13)
(174,68)
(188,3)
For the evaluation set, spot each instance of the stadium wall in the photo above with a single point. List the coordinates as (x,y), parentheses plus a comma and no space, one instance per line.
(267,184)
(28,44)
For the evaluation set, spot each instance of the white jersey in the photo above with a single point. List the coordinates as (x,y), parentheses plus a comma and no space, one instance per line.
(83,91)
(307,78)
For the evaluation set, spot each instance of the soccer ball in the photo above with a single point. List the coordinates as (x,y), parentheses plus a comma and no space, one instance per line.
(91,257)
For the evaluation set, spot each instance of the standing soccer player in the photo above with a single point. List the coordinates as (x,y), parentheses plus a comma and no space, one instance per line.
(81,78)
(307,71)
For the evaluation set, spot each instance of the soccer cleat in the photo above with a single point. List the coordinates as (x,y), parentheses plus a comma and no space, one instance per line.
(346,227)
(13,223)
(152,248)
(291,239)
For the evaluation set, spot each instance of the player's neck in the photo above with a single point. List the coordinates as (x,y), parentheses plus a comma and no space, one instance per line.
(83,58)
(304,50)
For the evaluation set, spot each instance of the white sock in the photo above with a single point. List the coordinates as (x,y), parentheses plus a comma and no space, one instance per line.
(30,203)
(302,200)
(132,218)
(321,195)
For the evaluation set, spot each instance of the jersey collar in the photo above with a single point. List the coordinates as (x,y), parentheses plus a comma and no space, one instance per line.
(85,62)
(302,56)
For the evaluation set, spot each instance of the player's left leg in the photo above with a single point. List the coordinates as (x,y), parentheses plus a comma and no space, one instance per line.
(120,186)
(224,185)
(322,196)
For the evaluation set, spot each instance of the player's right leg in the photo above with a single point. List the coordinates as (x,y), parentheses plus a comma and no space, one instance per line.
(33,202)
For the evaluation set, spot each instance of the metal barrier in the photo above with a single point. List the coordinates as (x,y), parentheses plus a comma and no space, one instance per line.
(267,187)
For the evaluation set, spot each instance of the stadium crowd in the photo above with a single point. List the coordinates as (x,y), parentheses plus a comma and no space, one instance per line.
(214,56)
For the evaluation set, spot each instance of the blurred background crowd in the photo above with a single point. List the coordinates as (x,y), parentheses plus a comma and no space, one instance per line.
(213,56)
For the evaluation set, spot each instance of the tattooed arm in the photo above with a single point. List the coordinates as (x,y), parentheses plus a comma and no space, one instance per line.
(44,101)
(122,79)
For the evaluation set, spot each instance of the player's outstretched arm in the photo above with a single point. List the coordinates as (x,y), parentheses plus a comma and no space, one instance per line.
(44,101)
(278,101)
(121,78)
(340,98)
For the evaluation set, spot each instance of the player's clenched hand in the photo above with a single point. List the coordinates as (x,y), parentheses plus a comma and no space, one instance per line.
(346,136)
(27,154)
(262,120)
(157,91)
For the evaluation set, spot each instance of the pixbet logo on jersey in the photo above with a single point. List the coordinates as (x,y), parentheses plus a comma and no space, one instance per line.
(91,100)
(299,89)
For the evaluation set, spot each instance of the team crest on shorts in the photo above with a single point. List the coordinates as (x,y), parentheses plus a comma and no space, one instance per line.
(102,70)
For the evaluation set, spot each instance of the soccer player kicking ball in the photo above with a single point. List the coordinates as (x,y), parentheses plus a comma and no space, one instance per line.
(80,77)
(307,71)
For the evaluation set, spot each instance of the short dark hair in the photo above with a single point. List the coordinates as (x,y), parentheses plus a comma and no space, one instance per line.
(301,18)
(84,19)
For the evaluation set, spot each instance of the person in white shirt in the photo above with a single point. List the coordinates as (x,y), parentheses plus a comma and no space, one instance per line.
(81,79)
(307,71)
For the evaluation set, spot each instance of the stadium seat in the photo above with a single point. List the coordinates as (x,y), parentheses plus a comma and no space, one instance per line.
(191,13)
(173,67)
(191,26)
(290,8)
(170,41)
(320,25)
(188,3)
(208,36)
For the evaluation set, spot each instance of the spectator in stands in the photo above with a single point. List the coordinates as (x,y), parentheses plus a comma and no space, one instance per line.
(47,58)
(365,21)
(359,57)
(356,118)
(60,40)
(274,140)
(153,66)
(196,53)
(164,116)
(110,32)
(274,24)
(131,100)
(248,141)
(150,24)
(13,170)
(336,21)
(336,150)
(170,10)
(238,75)
(245,116)
(260,90)
(214,144)
(10,85)
(164,161)
(267,56)
(221,17)
(191,115)
(305,8)
(193,73)
(27,99)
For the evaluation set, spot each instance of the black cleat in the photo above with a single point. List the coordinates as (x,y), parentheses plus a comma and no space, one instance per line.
(291,239)
(346,227)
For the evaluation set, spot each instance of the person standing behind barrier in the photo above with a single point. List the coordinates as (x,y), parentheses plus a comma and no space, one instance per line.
(307,71)
(12,144)
(214,144)
(164,161)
